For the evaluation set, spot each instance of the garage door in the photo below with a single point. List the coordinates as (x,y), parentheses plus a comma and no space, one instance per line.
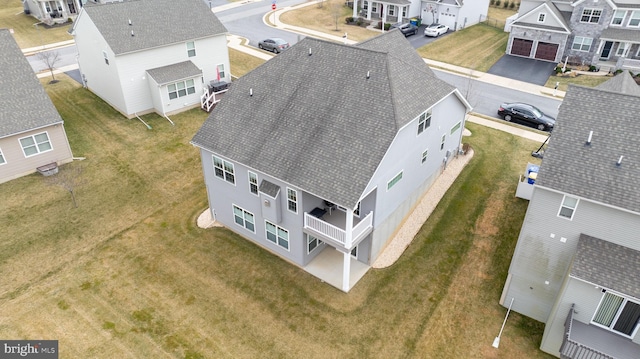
(521,47)
(546,51)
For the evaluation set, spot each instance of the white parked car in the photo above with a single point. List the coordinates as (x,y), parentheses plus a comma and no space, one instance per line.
(435,30)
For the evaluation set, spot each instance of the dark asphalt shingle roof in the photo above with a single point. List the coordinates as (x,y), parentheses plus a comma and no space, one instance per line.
(622,83)
(174,72)
(316,121)
(24,104)
(590,171)
(268,188)
(154,23)
(608,265)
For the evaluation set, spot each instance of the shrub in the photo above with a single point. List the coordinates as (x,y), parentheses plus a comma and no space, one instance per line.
(349,19)
(506,4)
(498,2)
(493,2)
(593,68)
(617,72)
(512,5)
(558,69)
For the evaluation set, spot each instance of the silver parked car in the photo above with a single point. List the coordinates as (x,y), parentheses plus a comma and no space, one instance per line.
(274,44)
(436,30)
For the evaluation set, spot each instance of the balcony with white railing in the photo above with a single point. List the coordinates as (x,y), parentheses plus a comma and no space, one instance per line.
(592,342)
(331,227)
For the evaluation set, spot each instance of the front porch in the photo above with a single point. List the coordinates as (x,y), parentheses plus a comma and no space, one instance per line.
(328,267)
(590,341)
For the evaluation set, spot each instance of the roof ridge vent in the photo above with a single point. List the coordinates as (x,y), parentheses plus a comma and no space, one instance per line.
(589,138)
(619,161)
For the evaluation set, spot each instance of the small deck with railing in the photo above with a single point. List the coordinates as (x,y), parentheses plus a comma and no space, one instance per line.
(330,228)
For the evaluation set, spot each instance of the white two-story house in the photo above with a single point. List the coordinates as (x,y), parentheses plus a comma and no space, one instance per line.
(320,153)
(143,56)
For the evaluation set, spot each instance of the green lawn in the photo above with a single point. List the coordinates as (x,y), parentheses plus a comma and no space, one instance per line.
(582,80)
(25,33)
(128,274)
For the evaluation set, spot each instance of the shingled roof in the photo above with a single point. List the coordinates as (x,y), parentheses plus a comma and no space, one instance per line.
(25,105)
(591,171)
(154,23)
(607,264)
(622,83)
(322,115)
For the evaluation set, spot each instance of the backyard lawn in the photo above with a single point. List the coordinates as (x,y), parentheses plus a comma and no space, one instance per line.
(25,32)
(129,274)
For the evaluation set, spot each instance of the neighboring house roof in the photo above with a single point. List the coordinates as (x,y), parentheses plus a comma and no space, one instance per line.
(25,105)
(322,115)
(622,83)
(532,17)
(154,23)
(396,2)
(624,35)
(607,264)
(174,72)
(590,171)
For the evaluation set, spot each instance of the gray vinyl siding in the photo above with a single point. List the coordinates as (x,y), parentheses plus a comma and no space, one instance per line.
(405,155)
(586,298)
(18,165)
(539,258)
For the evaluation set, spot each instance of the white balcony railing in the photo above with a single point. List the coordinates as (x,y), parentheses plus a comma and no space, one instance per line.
(338,234)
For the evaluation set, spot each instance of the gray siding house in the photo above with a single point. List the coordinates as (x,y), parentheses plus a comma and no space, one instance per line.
(576,266)
(32,132)
(144,56)
(603,33)
(320,153)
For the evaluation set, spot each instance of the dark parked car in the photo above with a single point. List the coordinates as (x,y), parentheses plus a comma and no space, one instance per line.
(406,29)
(527,115)
(275,44)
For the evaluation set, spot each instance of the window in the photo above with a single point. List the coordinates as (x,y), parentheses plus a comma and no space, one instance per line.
(354,252)
(191,49)
(374,7)
(395,180)
(568,207)
(292,200)
(244,218)
(618,16)
(366,5)
(635,18)
(35,144)
(391,10)
(220,72)
(224,169)
(456,127)
(591,15)
(541,17)
(277,235)
(253,182)
(404,11)
(425,153)
(424,121)
(356,212)
(2,160)
(623,49)
(312,243)
(581,43)
(618,314)
(444,137)
(106,57)
(181,89)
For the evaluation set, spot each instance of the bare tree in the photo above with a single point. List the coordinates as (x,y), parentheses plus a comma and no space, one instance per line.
(50,58)
(336,12)
(70,178)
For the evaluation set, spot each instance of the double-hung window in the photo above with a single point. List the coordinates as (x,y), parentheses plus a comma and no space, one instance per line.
(635,19)
(591,15)
(618,17)
(253,182)
(35,144)
(244,218)
(391,10)
(224,169)
(568,207)
(582,43)
(442,141)
(277,235)
(191,49)
(404,12)
(292,200)
(220,72)
(425,153)
(181,89)
(106,57)
(312,243)
(424,121)
(618,314)
(2,160)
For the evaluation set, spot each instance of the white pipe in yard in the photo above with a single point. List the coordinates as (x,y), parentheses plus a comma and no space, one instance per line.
(496,341)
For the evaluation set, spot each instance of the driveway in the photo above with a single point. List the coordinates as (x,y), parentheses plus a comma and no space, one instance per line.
(523,69)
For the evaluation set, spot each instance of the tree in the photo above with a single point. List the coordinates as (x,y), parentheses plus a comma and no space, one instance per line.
(50,58)
(336,12)
(70,178)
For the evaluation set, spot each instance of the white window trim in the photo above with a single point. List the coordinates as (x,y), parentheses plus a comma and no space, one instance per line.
(397,178)
(541,17)
(352,254)
(277,242)
(244,218)
(425,155)
(404,11)
(186,89)
(631,17)
(220,72)
(455,128)
(391,10)
(249,173)
(624,46)
(442,141)
(106,57)
(424,122)
(224,170)
(36,144)
(191,48)
(591,16)
(615,319)
(295,202)
(621,20)
(309,240)
(582,43)
(4,159)
(563,206)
